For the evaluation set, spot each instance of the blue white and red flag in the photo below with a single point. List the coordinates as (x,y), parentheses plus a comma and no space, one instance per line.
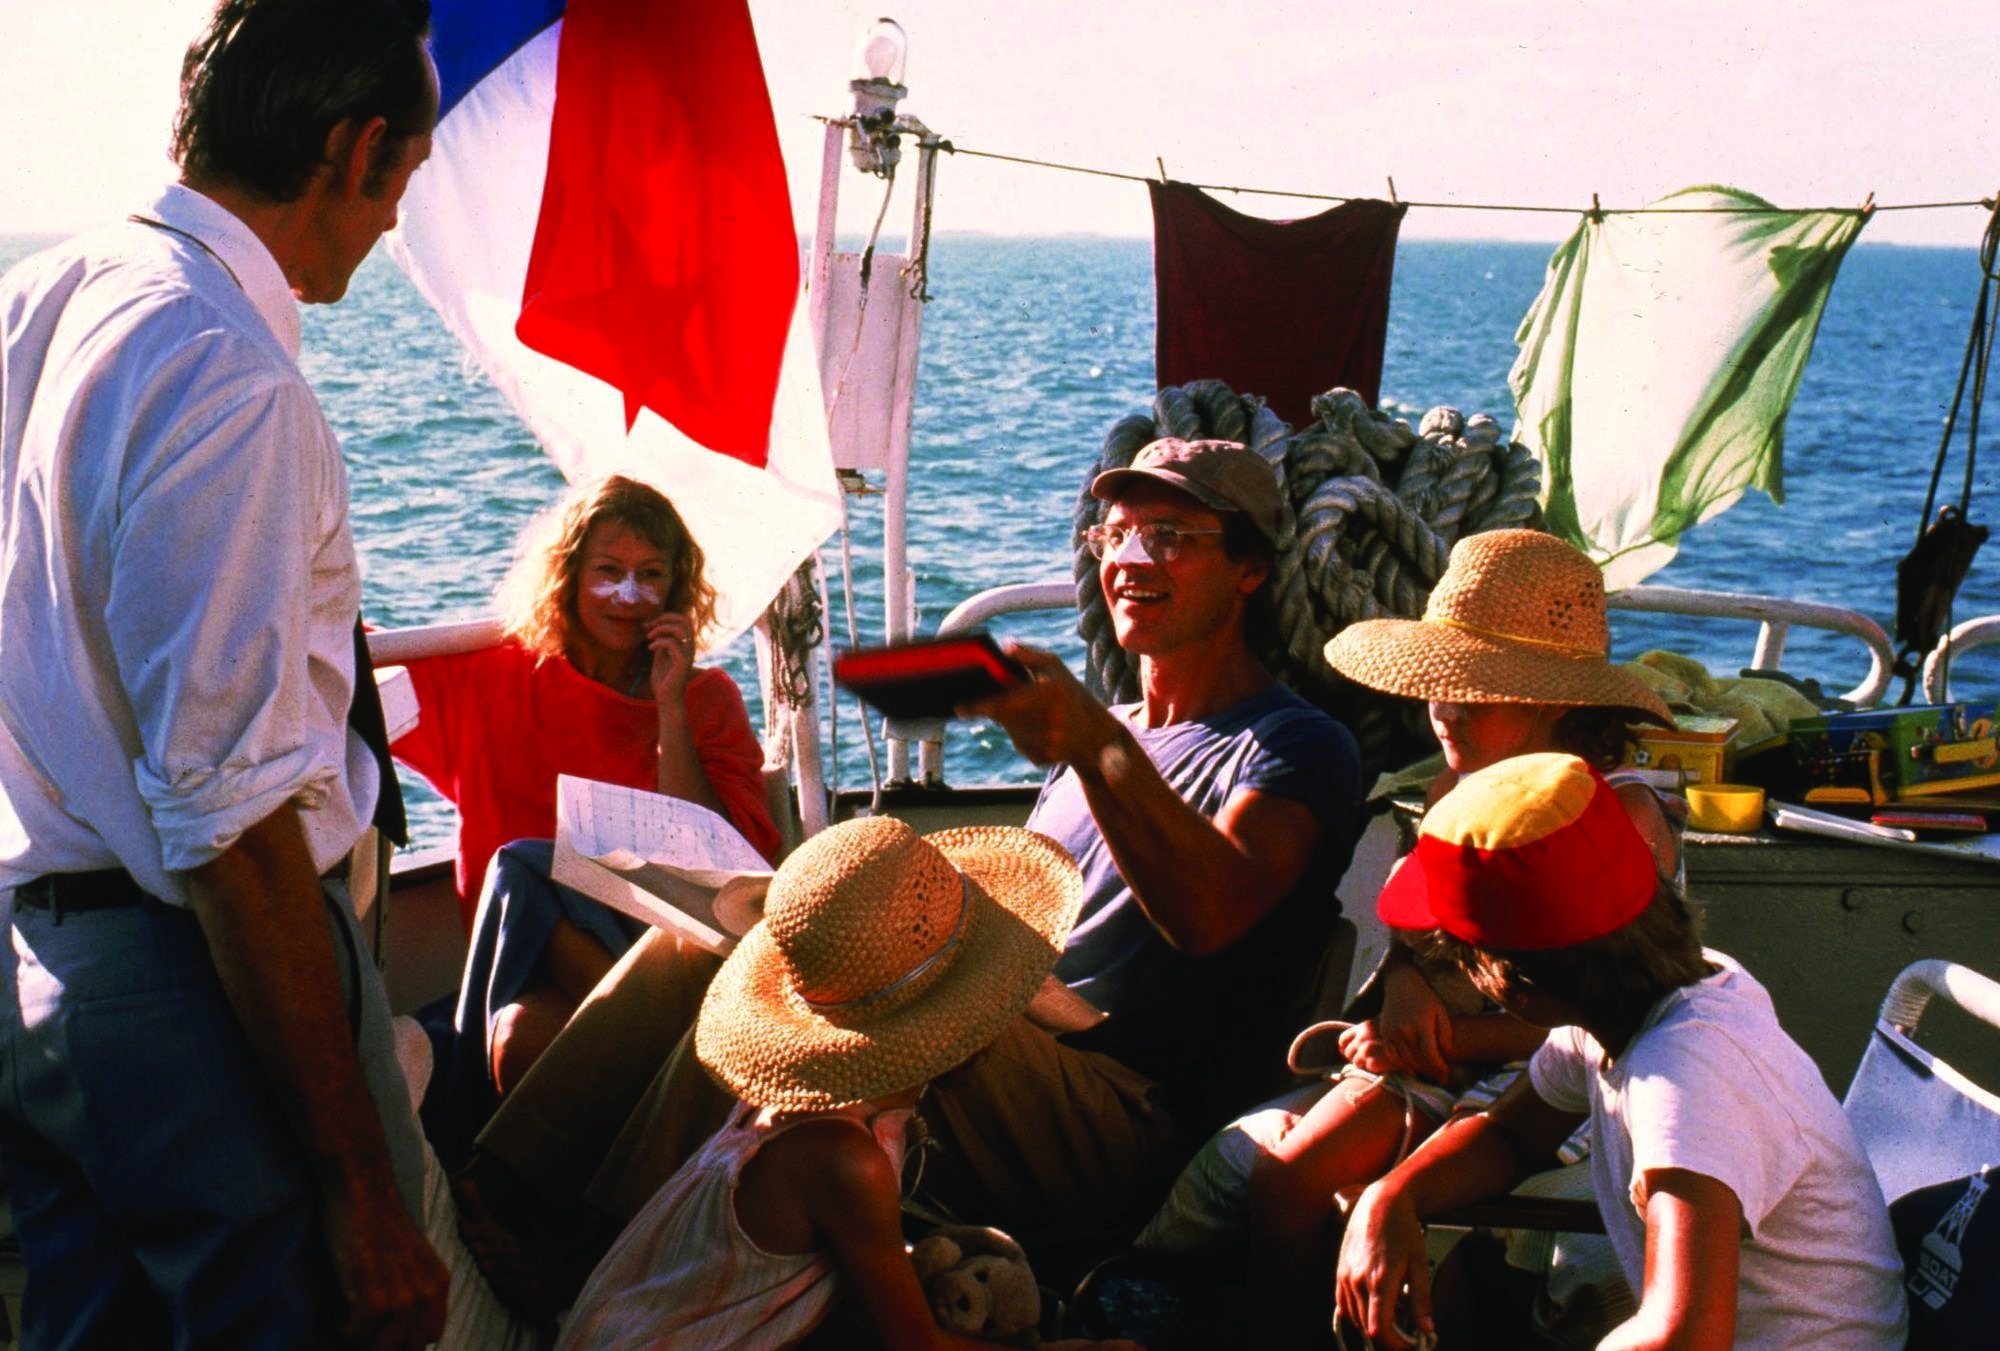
(604,223)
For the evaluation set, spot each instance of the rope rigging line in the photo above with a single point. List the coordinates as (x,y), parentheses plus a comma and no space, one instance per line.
(952,149)
(1928,577)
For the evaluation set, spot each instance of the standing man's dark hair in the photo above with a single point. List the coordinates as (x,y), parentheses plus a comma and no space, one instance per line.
(265,84)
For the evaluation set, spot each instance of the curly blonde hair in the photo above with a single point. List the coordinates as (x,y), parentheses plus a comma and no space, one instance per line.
(538,595)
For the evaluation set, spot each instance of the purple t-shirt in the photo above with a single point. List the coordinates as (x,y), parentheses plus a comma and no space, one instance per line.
(1209,1028)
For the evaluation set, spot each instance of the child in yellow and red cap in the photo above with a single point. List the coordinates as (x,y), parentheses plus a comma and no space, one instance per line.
(1741,1206)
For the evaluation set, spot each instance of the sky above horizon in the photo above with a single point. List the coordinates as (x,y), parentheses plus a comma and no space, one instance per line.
(1541,102)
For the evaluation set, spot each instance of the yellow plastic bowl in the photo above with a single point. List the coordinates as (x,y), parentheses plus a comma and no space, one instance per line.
(1731,808)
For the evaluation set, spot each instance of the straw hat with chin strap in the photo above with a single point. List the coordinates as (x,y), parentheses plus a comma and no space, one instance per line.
(1517,618)
(885,958)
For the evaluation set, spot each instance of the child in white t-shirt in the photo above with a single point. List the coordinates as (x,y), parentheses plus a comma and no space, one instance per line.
(1742,1208)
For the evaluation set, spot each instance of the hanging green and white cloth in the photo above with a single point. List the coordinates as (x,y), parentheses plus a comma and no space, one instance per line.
(1659,361)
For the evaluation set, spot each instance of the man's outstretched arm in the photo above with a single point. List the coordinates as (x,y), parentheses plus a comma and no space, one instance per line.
(1202,882)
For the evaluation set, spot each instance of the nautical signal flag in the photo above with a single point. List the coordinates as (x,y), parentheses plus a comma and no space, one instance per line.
(665,262)
(604,222)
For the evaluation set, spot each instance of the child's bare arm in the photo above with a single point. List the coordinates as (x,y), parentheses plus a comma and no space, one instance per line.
(1644,809)
(1414,1025)
(852,1198)
(1493,1038)
(1382,1249)
(1693,1240)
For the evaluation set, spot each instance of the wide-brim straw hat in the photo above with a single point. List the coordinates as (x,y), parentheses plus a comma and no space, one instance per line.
(885,958)
(1517,618)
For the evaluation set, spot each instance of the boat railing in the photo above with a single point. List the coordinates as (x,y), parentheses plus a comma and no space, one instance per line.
(1776,619)
(393,647)
(1981,632)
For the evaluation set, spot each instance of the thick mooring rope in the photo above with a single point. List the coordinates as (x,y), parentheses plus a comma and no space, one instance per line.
(1372,510)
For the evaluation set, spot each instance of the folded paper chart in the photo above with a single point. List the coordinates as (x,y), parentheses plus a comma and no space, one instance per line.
(673,864)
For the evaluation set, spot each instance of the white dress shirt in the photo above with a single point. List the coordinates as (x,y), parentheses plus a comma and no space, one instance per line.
(177,581)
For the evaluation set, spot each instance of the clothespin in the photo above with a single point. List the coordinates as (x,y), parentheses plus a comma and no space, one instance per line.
(1868,207)
(1596,211)
(1392,191)
(1163,167)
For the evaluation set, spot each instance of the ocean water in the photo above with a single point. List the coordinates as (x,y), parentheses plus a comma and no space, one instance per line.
(1032,348)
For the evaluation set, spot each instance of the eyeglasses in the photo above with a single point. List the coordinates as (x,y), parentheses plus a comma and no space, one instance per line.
(1161,543)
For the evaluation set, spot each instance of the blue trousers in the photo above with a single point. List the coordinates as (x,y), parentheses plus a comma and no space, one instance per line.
(519,907)
(162,1199)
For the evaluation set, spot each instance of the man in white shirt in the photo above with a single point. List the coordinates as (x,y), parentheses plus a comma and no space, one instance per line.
(198,1119)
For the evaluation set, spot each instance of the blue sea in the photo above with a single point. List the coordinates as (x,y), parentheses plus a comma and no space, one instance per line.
(1032,348)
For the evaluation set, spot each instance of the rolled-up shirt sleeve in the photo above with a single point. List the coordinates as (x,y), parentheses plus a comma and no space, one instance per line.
(210,617)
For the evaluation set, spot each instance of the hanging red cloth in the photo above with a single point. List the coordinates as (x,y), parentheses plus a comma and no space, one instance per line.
(1285,309)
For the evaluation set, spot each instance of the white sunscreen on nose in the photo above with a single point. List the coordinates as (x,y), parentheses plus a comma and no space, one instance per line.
(1133,550)
(627,590)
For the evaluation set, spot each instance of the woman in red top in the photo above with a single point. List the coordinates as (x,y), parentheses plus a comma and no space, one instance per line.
(604,608)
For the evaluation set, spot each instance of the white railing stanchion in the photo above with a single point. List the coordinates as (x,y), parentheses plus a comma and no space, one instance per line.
(1770,652)
(1981,632)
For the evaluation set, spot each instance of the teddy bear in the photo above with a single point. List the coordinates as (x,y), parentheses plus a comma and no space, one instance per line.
(979,1284)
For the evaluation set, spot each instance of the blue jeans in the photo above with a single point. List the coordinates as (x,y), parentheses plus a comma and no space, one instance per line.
(161,1197)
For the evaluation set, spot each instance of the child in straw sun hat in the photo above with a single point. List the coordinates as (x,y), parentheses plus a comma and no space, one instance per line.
(1738,1200)
(884,958)
(1512,658)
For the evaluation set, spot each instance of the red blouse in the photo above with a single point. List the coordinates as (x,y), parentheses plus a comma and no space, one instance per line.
(498,726)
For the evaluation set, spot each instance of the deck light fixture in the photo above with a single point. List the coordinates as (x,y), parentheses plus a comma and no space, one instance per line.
(879,57)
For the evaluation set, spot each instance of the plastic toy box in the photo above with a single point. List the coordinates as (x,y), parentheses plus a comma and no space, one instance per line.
(1913,752)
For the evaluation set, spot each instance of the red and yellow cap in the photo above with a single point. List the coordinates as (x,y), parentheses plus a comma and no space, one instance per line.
(1533,852)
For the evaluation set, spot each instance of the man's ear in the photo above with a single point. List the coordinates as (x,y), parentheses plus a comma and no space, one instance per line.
(351,148)
(1255,573)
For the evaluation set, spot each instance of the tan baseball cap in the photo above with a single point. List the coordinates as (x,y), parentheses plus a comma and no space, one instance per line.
(1221,475)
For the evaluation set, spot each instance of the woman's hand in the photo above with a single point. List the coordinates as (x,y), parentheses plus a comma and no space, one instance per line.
(1381,1252)
(671,638)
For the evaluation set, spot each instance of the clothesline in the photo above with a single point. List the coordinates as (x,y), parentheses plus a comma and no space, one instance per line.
(950,148)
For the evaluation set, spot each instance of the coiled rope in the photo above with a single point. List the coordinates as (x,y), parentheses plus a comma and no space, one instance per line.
(1372,508)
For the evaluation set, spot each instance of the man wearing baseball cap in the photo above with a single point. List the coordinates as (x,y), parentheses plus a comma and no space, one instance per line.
(1740,1205)
(1212,819)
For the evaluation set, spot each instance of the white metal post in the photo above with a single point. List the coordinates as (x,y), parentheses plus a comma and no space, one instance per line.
(898,590)
(827,224)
